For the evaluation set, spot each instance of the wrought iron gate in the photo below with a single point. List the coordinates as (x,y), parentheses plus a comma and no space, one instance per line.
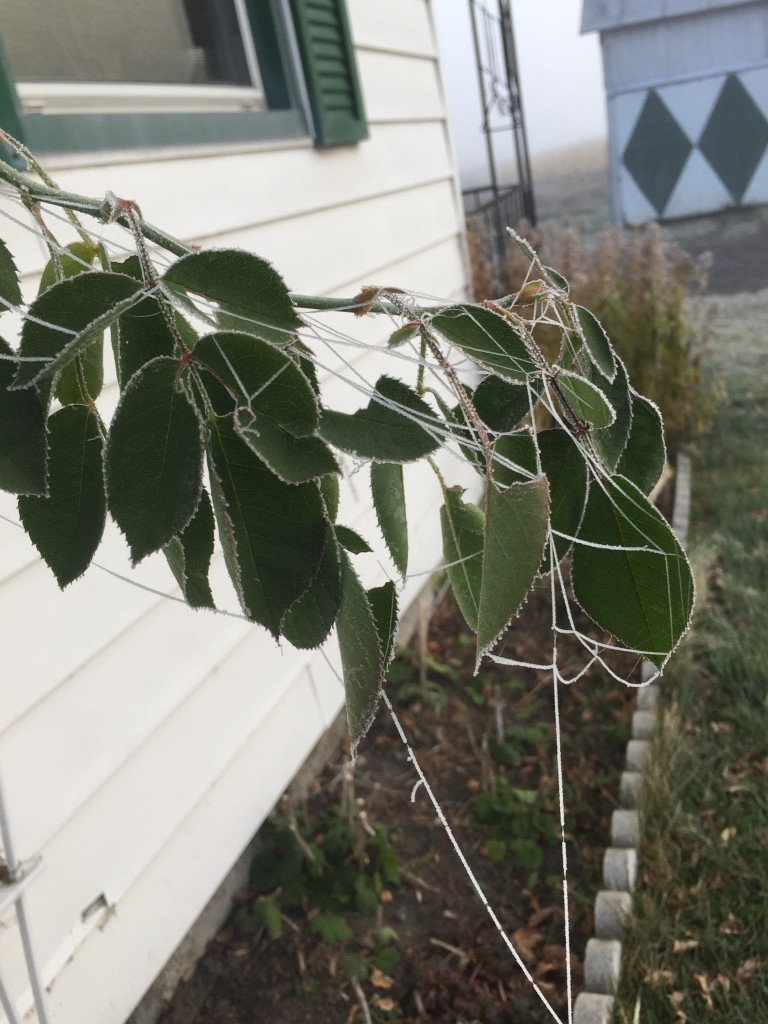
(498,204)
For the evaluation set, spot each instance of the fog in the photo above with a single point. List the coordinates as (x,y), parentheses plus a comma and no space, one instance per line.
(560,77)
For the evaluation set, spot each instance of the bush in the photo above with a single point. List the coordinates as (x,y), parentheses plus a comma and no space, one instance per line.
(640,285)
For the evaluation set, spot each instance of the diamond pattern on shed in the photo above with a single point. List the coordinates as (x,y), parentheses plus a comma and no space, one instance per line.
(735,137)
(656,152)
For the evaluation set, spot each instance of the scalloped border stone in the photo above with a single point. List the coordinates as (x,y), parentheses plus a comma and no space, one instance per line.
(613,904)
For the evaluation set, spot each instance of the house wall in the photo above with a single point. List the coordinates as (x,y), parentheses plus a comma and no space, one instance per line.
(142,743)
(687,93)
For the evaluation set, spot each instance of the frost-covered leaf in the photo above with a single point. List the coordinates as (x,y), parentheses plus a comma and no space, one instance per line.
(310,619)
(76,259)
(22,433)
(67,525)
(81,381)
(580,398)
(153,467)
(501,405)
(514,458)
(360,648)
(403,334)
(351,540)
(250,293)
(273,533)
(10,292)
(645,453)
(515,533)
(610,441)
(566,472)
(189,555)
(258,375)
(393,427)
(596,340)
(383,602)
(463,530)
(330,490)
(69,317)
(488,337)
(388,491)
(294,459)
(140,335)
(630,574)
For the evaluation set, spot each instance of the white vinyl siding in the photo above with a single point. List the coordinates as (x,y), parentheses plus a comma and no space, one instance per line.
(142,743)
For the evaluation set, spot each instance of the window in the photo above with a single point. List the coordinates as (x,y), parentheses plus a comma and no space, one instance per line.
(106,74)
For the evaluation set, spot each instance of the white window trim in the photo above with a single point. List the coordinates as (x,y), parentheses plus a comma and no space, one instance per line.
(135,98)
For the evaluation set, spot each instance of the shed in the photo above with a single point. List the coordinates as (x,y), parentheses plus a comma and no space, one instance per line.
(687,90)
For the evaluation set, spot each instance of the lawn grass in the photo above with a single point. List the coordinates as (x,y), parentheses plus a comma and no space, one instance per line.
(697,948)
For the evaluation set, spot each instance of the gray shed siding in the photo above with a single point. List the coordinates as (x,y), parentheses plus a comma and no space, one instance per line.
(687,101)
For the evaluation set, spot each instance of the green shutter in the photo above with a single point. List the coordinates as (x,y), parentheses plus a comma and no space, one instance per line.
(328,58)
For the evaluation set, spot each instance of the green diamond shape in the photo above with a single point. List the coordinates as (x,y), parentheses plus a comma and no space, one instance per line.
(657,151)
(735,137)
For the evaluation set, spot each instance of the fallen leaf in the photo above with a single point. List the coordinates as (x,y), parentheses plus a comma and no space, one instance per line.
(677,999)
(683,945)
(540,915)
(747,970)
(727,834)
(703,982)
(720,727)
(381,980)
(386,1004)
(661,977)
(730,926)
(525,941)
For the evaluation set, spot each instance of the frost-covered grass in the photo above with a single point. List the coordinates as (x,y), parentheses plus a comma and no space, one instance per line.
(698,948)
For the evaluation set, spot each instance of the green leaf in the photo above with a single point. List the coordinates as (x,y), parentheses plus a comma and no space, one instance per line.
(501,405)
(273,533)
(259,376)
(267,913)
(140,335)
(463,529)
(329,487)
(584,400)
(10,292)
(351,541)
(556,278)
(403,334)
(383,602)
(294,459)
(645,453)
(360,648)
(596,341)
(489,338)
(22,433)
(391,428)
(153,466)
(76,259)
(515,533)
(331,928)
(310,619)
(81,308)
(90,364)
(66,527)
(189,555)
(250,293)
(388,491)
(518,449)
(566,472)
(635,582)
(609,442)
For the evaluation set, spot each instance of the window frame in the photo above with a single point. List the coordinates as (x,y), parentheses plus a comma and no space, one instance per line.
(286,115)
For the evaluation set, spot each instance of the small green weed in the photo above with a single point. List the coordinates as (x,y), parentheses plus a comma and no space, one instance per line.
(518,823)
(330,867)
(518,740)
